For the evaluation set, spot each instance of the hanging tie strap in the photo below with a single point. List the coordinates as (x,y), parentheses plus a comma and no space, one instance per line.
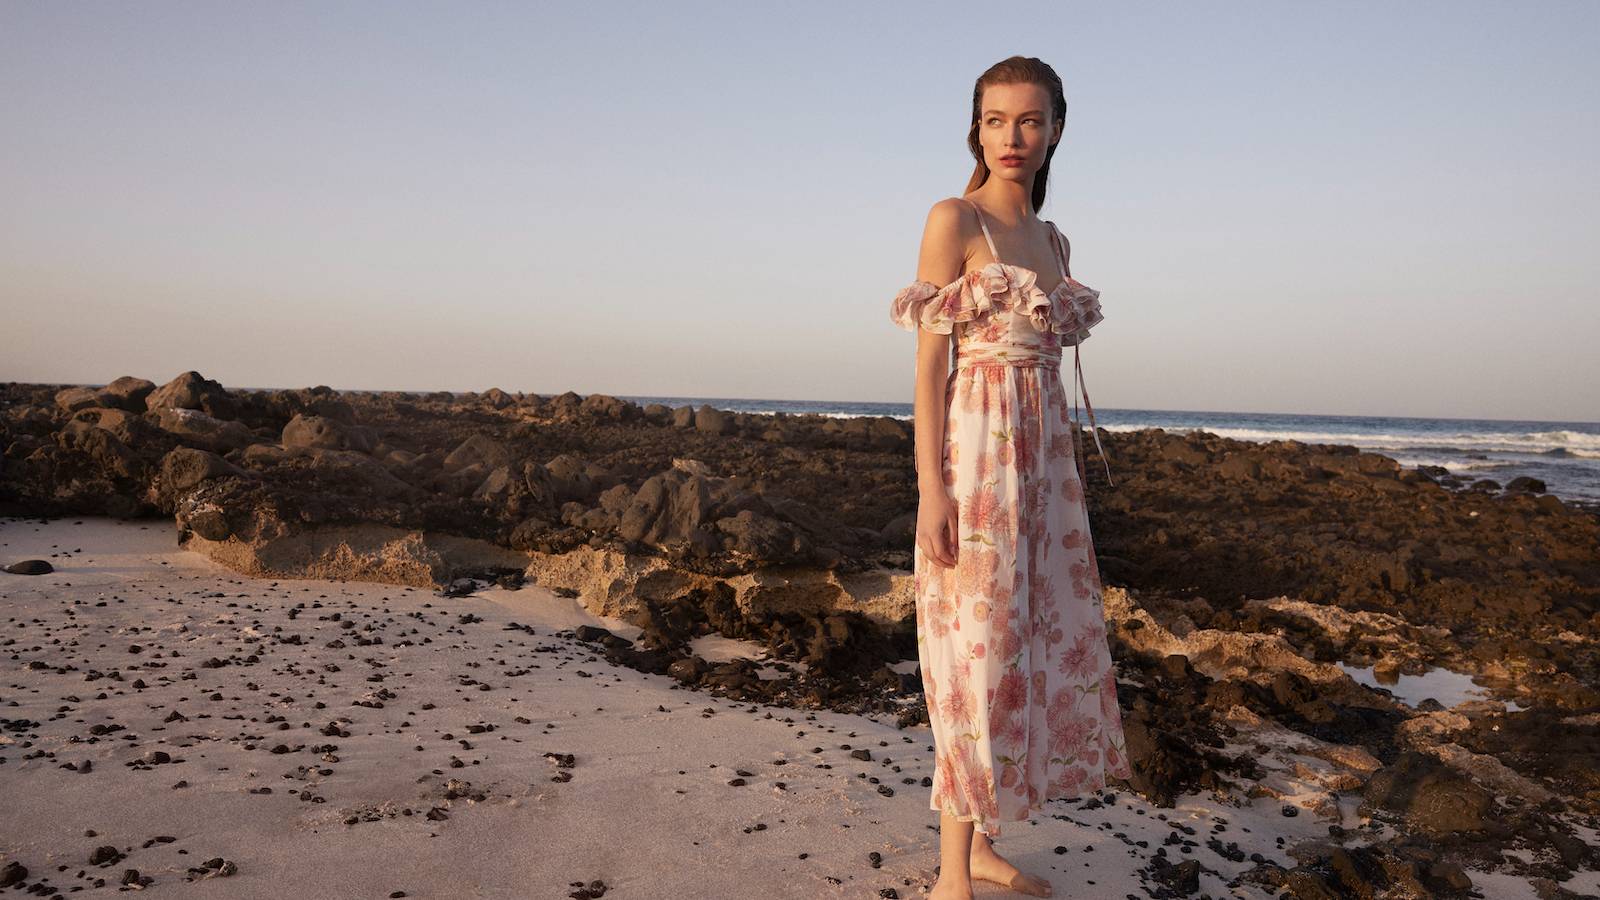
(1079,384)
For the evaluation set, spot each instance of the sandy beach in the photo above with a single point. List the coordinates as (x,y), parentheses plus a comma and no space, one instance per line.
(348,644)
(348,739)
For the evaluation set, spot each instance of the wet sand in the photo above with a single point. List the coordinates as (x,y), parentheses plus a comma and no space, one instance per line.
(347,739)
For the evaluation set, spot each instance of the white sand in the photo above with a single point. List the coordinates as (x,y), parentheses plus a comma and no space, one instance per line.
(648,809)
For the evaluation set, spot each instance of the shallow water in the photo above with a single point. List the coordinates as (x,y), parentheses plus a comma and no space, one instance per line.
(1444,685)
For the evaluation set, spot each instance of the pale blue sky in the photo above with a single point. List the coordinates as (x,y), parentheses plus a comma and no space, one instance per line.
(1358,208)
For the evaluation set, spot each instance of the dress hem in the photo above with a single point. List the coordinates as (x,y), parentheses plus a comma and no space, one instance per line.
(1029,812)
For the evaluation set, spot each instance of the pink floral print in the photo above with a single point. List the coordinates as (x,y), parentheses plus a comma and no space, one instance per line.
(1020,687)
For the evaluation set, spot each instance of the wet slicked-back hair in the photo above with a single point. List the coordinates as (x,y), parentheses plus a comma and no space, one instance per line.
(1016,70)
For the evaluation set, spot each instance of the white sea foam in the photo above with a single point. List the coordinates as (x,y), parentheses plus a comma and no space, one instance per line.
(1451,463)
(1574,443)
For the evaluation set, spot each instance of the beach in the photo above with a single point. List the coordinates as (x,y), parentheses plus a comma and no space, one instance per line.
(343,644)
(348,739)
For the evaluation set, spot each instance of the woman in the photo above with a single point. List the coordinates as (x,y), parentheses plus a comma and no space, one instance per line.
(1011,636)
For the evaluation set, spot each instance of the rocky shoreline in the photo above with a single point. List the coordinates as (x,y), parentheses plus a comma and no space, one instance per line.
(1242,580)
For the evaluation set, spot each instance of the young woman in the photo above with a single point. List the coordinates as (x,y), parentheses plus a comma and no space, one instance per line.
(1021,693)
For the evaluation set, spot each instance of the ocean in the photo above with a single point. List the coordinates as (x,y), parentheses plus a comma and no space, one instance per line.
(1564,455)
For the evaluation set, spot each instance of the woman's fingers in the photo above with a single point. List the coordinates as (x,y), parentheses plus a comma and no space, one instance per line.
(934,551)
(947,548)
(941,546)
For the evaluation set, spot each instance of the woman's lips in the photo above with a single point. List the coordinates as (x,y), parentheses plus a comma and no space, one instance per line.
(1010,160)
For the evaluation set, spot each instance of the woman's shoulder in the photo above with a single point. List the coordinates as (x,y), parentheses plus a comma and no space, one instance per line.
(951,212)
(951,226)
(939,307)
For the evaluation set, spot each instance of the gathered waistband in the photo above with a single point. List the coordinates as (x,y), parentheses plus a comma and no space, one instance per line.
(1006,355)
(969,355)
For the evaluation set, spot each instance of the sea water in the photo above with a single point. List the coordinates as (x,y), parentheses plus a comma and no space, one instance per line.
(1564,455)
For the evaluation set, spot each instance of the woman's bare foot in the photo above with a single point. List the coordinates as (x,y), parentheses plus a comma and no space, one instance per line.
(991,866)
(950,889)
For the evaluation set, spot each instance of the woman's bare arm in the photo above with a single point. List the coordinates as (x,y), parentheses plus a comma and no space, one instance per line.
(942,261)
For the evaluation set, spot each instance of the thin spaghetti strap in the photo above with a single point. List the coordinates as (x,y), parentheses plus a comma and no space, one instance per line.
(992,251)
(1055,241)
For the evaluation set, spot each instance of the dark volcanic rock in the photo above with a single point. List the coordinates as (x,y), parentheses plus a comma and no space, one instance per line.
(1430,794)
(191,390)
(327,433)
(186,467)
(1501,583)
(30,567)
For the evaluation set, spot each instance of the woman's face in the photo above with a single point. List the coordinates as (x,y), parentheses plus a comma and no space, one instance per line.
(1015,129)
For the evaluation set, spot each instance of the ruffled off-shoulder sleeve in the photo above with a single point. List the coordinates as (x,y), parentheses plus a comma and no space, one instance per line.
(1069,311)
(1074,306)
(1076,310)
(923,304)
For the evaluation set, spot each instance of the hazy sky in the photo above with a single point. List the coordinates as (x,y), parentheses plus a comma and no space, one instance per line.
(1360,208)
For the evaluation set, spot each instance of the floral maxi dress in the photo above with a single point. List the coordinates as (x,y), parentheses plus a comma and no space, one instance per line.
(1017,673)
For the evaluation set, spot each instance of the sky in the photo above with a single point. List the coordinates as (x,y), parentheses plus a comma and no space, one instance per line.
(1355,208)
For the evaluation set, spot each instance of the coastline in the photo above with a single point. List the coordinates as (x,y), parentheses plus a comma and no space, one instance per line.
(1266,604)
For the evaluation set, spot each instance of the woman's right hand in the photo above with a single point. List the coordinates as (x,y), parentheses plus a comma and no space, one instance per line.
(937,527)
